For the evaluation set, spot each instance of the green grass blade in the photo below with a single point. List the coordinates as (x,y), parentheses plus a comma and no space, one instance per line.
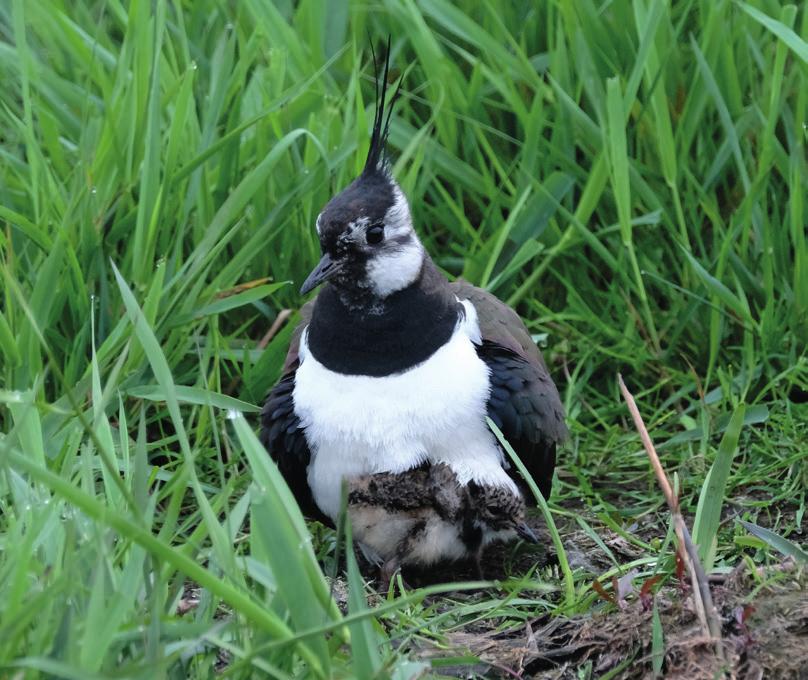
(779,543)
(284,542)
(193,395)
(717,288)
(783,32)
(713,492)
(365,640)
(561,553)
(657,642)
(616,142)
(240,601)
(231,302)
(162,373)
(150,196)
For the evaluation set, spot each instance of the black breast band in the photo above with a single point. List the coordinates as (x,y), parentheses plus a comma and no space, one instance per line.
(412,326)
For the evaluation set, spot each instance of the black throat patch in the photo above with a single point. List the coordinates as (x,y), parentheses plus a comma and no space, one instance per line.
(409,328)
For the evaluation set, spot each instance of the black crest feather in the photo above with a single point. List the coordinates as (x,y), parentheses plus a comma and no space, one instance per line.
(377,154)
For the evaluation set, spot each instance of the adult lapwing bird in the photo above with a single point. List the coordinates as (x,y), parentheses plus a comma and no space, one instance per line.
(393,366)
(424,516)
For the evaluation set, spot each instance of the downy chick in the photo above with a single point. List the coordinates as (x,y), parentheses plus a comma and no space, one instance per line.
(424,516)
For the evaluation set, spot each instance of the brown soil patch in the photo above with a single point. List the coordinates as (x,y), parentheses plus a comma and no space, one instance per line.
(768,639)
(772,643)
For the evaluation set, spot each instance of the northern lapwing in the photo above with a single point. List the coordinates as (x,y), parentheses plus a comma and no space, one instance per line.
(393,366)
(424,516)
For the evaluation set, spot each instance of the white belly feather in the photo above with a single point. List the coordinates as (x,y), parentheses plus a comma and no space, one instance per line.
(358,425)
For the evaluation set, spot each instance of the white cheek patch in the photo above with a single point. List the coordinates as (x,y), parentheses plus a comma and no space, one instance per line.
(318,224)
(395,269)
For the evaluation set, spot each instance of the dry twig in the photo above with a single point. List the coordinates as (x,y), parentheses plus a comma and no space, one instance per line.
(274,328)
(283,315)
(702,597)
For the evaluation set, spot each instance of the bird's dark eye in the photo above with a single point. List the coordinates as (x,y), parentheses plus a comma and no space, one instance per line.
(375,234)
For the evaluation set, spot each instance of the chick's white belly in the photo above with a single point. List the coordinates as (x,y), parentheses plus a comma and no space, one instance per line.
(357,425)
(382,534)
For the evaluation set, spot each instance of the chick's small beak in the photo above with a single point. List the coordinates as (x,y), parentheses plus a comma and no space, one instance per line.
(526,533)
(325,269)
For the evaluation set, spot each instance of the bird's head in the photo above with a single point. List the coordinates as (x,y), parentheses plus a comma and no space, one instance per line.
(368,243)
(500,513)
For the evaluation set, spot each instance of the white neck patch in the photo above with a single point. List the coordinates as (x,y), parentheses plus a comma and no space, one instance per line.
(395,270)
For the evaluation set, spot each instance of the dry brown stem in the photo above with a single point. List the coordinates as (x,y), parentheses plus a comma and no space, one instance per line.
(274,328)
(702,597)
(283,315)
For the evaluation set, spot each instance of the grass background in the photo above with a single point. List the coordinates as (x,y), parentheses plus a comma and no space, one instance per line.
(631,176)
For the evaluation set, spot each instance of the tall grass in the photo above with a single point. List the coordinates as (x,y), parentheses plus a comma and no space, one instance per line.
(630,175)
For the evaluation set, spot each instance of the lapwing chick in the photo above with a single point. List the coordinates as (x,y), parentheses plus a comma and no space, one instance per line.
(392,366)
(424,516)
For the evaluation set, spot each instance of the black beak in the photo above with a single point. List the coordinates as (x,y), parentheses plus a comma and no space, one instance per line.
(325,269)
(526,533)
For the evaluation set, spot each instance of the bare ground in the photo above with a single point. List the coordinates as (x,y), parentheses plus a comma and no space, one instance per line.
(764,628)
(764,618)
(771,643)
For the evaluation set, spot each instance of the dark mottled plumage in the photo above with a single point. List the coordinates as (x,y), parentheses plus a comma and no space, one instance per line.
(417,516)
